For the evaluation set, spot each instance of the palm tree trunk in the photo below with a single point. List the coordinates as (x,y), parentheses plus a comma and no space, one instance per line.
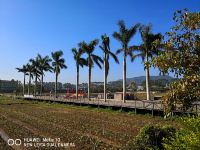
(147,84)
(77,80)
(56,85)
(35,88)
(105,77)
(147,78)
(124,79)
(24,84)
(41,86)
(29,83)
(89,81)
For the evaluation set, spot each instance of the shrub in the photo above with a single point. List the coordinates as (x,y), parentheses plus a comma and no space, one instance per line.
(150,137)
(187,138)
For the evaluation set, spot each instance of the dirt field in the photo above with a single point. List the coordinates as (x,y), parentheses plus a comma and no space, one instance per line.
(85,127)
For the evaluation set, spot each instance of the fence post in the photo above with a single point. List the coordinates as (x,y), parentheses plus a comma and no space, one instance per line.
(143,104)
(152,109)
(135,107)
(98,103)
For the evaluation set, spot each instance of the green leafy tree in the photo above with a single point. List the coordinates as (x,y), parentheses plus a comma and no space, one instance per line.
(148,50)
(89,48)
(24,71)
(79,62)
(151,137)
(187,138)
(107,53)
(124,36)
(182,57)
(58,64)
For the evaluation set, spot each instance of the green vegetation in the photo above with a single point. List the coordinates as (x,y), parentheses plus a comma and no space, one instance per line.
(182,56)
(151,137)
(187,137)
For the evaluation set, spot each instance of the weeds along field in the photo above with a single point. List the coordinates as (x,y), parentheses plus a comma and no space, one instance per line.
(87,128)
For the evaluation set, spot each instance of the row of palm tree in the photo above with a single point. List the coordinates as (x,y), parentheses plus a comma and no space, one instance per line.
(147,49)
(37,67)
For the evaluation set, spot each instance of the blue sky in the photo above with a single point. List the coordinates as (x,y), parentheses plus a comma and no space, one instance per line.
(28,27)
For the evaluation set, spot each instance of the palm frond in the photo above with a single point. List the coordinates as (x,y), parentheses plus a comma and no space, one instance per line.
(117,36)
(98,60)
(131,32)
(58,62)
(83,62)
(74,51)
(56,55)
(122,26)
(145,28)
(119,51)
(133,57)
(134,48)
(103,49)
(114,57)
(63,66)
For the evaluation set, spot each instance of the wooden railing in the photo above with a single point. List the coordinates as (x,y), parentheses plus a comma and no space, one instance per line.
(150,105)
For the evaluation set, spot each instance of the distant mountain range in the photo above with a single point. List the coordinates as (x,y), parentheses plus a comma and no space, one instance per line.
(118,83)
(140,79)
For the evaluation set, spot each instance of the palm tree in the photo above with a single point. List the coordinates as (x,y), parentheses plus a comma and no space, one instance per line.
(36,71)
(88,48)
(79,62)
(106,50)
(58,64)
(30,72)
(124,36)
(148,50)
(44,66)
(24,71)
